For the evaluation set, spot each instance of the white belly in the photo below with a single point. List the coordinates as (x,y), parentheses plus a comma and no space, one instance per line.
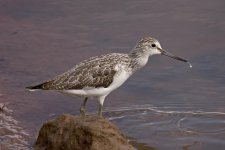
(118,80)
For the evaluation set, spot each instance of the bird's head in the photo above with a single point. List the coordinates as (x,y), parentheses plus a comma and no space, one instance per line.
(150,46)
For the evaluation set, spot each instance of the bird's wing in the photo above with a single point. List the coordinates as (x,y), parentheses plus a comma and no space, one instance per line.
(95,72)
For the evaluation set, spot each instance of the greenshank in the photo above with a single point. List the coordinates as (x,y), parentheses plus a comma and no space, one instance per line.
(99,76)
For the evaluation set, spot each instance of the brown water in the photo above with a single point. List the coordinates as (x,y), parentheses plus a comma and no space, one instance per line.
(166,105)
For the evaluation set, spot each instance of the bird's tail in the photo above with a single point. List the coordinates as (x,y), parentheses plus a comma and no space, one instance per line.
(42,86)
(35,88)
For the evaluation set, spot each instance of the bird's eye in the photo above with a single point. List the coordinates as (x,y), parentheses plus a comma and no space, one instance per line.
(153,45)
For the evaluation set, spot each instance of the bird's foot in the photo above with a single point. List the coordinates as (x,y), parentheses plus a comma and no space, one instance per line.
(82,112)
(100,115)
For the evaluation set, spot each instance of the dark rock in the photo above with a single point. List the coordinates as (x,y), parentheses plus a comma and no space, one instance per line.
(76,133)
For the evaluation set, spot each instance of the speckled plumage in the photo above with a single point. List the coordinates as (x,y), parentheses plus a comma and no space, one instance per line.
(92,73)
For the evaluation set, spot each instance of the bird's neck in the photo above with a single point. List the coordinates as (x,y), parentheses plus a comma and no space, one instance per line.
(138,58)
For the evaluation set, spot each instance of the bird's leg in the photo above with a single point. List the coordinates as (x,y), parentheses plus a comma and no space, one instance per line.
(101,101)
(82,108)
(100,110)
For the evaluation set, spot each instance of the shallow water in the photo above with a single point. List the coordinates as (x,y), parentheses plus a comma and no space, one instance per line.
(166,105)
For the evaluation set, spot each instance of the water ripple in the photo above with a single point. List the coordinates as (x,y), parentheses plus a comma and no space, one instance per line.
(187,127)
(144,109)
(12,136)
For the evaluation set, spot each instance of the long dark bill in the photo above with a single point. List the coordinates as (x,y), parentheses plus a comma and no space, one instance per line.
(175,57)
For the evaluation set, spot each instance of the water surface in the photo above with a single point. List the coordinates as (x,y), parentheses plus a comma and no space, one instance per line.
(166,105)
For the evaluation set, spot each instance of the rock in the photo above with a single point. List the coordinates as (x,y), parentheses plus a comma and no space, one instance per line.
(69,132)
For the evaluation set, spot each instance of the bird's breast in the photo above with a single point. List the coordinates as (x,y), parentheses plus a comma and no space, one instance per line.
(119,78)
